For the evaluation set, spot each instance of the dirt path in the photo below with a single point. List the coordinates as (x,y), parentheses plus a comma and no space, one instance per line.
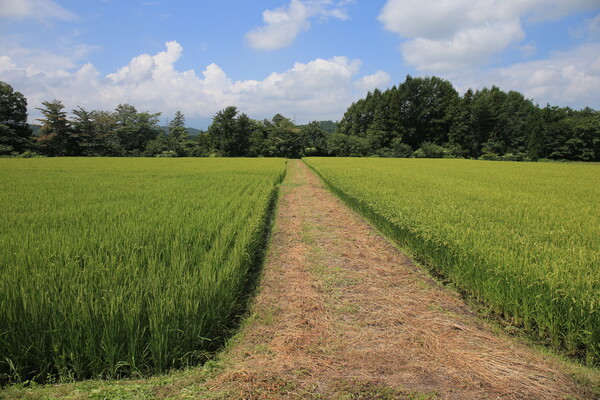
(341,313)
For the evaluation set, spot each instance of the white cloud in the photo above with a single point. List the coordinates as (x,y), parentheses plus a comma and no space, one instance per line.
(138,70)
(466,48)
(447,35)
(570,78)
(555,9)
(142,67)
(282,25)
(40,60)
(40,9)
(379,80)
(319,89)
(6,64)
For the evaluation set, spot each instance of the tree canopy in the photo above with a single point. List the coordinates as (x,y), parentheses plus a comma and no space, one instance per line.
(14,130)
(421,117)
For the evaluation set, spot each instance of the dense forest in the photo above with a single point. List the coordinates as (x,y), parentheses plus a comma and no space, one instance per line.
(421,117)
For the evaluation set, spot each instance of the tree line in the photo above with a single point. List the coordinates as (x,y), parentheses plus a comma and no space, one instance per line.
(426,117)
(421,117)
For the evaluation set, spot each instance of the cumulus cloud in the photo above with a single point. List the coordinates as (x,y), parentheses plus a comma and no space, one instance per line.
(39,60)
(282,25)
(141,68)
(6,64)
(40,9)
(569,78)
(447,35)
(319,89)
(379,79)
(465,48)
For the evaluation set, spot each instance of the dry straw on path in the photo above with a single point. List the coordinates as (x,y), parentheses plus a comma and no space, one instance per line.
(341,312)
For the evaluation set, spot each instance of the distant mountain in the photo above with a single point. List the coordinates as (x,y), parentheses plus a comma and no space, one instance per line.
(35,129)
(193,132)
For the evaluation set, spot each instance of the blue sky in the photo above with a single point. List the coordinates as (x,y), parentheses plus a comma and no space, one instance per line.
(308,59)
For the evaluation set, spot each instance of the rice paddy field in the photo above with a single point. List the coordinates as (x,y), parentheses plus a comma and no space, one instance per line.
(118,267)
(524,238)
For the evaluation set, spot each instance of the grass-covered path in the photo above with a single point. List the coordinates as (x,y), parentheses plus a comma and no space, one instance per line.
(342,314)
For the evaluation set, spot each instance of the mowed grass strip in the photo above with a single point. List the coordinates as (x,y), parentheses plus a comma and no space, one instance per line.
(114,267)
(522,237)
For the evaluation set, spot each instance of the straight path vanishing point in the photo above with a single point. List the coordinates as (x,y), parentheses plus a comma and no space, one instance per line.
(341,312)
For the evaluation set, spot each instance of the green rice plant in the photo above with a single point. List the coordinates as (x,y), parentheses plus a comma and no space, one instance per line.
(522,237)
(116,267)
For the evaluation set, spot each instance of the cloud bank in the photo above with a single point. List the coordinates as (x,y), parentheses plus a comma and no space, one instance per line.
(319,89)
(565,78)
(449,35)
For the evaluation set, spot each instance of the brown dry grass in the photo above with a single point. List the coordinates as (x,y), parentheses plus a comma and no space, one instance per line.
(341,308)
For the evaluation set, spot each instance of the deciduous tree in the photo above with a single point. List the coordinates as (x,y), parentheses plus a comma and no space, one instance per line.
(15,134)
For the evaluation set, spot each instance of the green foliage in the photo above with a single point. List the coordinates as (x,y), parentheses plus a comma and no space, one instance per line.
(315,138)
(83,130)
(15,134)
(419,110)
(230,132)
(327,126)
(200,146)
(177,143)
(454,150)
(29,154)
(56,129)
(134,129)
(125,266)
(523,238)
(106,140)
(124,132)
(157,146)
(285,139)
(342,145)
(430,150)
(486,124)
(6,140)
(400,150)
(178,121)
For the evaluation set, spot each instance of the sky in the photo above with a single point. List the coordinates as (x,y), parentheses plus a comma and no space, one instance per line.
(306,59)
